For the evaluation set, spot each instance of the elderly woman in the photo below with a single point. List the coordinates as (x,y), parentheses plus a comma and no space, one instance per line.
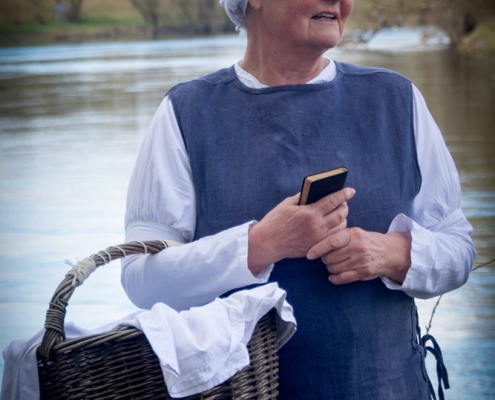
(220,168)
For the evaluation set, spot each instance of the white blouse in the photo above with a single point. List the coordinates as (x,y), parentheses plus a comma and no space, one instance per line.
(161,205)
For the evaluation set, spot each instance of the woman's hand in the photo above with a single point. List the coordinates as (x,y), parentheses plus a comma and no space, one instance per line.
(357,255)
(290,230)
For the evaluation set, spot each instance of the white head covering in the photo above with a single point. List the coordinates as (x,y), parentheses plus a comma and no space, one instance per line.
(236,10)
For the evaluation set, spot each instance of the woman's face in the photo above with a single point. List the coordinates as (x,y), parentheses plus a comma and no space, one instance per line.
(316,23)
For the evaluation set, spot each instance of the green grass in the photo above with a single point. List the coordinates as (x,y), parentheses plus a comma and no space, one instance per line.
(25,28)
(110,22)
(85,24)
(88,30)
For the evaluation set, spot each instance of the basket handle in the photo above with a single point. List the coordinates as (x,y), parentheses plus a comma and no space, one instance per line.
(55,316)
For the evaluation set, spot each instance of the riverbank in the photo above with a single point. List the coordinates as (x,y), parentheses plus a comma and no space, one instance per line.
(36,34)
(480,42)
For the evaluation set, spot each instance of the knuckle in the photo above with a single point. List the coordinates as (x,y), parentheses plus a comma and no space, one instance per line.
(344,210)
(306,218)
(339,217)
(358,234)
(332,241)
(332,201)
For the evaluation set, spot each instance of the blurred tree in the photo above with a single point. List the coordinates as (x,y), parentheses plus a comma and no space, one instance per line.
(458,18)
(74,10)
(203,16)
(149,12)
(60,11)
(369,16)
(206,13)
(37,6)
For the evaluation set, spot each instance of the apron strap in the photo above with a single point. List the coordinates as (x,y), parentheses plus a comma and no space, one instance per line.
(442,374)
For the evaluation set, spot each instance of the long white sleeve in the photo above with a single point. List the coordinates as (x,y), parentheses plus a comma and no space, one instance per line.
(442,251)
(161,205)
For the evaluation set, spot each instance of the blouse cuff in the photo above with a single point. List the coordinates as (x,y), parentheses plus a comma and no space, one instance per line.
(422,256)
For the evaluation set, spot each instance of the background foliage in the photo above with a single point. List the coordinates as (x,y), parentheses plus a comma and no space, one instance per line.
(161,18)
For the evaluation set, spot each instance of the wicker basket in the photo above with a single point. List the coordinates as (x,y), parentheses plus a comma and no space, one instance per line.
(120,364)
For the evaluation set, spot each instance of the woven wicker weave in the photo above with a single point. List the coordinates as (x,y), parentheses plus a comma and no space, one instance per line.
(120,364)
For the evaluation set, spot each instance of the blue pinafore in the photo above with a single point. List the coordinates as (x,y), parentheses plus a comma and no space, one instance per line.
(250,148)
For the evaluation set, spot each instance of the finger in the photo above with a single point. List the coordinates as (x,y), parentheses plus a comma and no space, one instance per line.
(337,261)
(331,202)
(340,227)
(330,243)
(344,277)
(352,275)
(337,220)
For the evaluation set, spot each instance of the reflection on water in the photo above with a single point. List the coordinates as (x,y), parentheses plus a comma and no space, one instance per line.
(71,121)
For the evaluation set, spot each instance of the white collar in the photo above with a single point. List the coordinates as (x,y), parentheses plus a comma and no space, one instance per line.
(327,75)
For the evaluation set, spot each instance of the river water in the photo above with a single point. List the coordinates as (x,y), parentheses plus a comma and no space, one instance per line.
(71,121)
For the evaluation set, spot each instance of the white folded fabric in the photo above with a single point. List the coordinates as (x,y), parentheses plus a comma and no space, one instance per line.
(198,348)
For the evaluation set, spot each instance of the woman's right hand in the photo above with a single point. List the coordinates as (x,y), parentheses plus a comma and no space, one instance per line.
(290,230)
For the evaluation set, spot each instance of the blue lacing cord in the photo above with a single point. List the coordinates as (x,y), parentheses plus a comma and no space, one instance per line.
(442,374)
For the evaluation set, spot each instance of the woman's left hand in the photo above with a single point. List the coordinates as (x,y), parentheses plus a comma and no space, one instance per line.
(354,254)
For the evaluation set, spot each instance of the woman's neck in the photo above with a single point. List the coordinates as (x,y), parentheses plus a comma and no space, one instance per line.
(276,67)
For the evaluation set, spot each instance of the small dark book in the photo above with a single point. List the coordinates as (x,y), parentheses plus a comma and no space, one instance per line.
(319,185)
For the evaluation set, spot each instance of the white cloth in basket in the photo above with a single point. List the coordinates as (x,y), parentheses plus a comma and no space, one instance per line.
(198,349)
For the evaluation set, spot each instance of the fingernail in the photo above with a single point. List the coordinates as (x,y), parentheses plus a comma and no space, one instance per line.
(310,255)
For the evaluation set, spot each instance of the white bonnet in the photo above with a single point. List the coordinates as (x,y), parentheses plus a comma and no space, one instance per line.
(236,10)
